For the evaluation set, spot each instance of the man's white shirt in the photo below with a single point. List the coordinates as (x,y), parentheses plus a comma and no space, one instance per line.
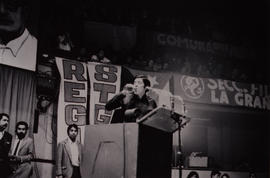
(20,52)
(1,134)
(74,152)
(15,144)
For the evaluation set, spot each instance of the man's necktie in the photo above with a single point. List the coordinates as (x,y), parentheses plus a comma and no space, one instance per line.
(16,148)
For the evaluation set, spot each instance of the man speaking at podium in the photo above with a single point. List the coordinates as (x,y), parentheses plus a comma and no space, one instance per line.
(132,102)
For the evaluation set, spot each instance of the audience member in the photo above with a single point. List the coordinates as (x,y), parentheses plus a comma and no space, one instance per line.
(215,174)
(165,66)
(84,55)
(100,57)
(252,175)
(157,67)
(150,65)
(64,42)
(186,68)
(193,174)
(225,175)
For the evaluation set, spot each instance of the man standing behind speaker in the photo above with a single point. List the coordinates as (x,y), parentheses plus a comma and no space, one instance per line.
(21,152)
(132,101)
(5,143)
(69,155)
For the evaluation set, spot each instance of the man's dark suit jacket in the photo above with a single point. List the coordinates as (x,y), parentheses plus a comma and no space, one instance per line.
(142,105)
(5,144)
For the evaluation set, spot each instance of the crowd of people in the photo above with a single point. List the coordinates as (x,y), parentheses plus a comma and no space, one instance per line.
(18,49)
(203,28)
(216,174)
(199,65)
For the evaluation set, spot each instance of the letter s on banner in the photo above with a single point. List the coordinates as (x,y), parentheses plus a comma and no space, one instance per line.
(105,82)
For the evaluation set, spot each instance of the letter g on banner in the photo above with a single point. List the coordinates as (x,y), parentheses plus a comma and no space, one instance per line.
(75,114)
(105,82)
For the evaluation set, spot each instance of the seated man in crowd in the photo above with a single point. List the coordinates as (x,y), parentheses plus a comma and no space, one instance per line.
(215,174)
(100,57)
(132,101)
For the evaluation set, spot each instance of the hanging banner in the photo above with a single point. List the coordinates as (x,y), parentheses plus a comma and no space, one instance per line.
(72,102)
(105,82)
(210,47)
(224,92)
(75,106)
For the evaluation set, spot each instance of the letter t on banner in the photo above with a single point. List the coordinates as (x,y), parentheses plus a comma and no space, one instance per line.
(105,82)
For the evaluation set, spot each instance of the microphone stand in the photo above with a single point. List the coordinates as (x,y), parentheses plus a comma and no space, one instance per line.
(180,164)
(178,119)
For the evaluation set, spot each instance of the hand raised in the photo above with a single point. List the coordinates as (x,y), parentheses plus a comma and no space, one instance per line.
(128,91)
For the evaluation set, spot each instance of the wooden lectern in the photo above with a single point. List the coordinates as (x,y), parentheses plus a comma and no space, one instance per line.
(128,150)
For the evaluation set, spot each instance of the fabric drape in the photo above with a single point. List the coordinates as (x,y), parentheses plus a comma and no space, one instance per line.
(17,95)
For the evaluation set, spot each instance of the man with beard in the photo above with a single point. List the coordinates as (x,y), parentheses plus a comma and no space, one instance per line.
(69,155)
(17,46)
(5,143)
(21,152)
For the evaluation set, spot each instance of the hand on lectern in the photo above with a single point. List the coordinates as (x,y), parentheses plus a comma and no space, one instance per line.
(132,112)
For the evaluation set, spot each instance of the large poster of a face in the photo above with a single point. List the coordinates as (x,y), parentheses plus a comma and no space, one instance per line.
(17,46)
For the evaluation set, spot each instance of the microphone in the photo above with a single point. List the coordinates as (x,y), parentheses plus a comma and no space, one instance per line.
(129,87)
(159,91)
(165,92)
(187,120)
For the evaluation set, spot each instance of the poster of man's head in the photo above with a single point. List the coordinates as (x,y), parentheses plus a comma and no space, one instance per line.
(18,46)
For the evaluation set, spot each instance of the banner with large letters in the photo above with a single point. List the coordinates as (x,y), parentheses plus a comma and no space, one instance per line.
(84,91)
(72,101)
(179,44)
(105,82)
(85,88)
(208,90)
(222,92)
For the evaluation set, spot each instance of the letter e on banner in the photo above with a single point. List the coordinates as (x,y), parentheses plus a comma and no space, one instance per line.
(72,97)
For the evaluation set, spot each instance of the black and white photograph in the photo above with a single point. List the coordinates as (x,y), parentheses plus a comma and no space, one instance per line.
(134,89)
